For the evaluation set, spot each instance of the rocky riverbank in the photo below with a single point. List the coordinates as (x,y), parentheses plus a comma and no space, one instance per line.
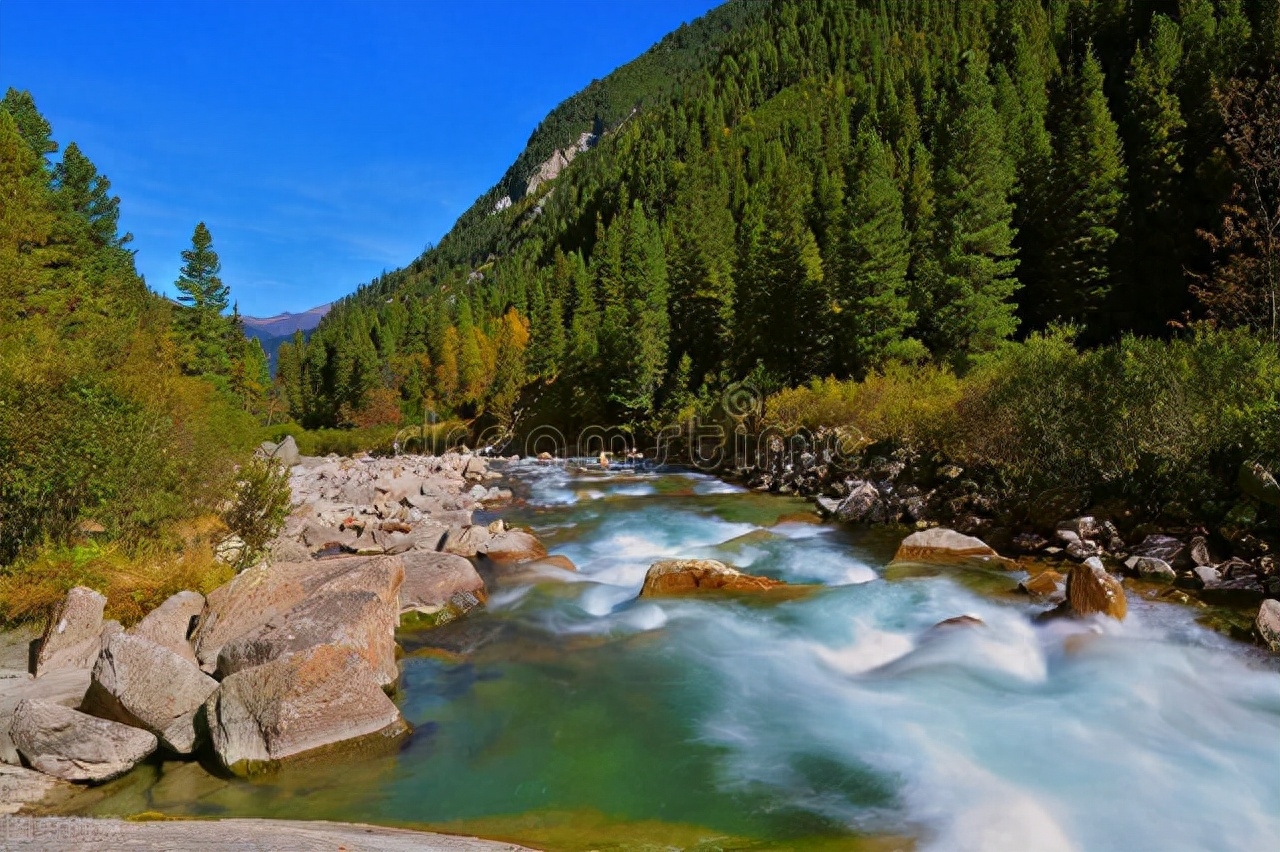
(1231,565)
(295,654)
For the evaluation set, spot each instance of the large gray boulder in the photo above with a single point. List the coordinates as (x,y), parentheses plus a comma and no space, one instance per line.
(514,546)
(60,686)
(1269,624)
(296,704)
(75,746)
(72,638)
(264,592)
(862,498)
(434,582)
(353,619)
(171,624)
(1151,568)
(137,682)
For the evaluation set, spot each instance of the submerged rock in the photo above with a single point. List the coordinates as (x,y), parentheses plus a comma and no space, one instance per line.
(944,545)
(75,746)
(296,704)
(1090,589)
(680,576)
(72,638)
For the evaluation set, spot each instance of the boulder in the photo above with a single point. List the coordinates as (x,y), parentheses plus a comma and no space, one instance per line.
(356,620)
(171,624)
(60,686)
(263,592)
(1256,481)
(75,746)
(1269,624)
(1236,591)
(555,560)
(137,682)
(1151,568)
(514,546)
(680,576)
(295,704)
(943,545)
(1047,584)
(1090,589)
(436,581)
(862,499)
(72,637)
(20,786)
(466,541)
(1164,547)
(827,506)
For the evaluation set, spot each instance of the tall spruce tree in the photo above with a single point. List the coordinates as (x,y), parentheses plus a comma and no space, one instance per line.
(972,285)
(205,299)
(870,257)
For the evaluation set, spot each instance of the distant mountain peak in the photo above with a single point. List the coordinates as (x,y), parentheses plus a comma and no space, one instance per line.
(285,323)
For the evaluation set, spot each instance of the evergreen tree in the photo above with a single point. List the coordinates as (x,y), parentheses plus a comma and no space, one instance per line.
(87,194)
(204,299)
(971,307)
(1091,176)
(31,125)
(869,266)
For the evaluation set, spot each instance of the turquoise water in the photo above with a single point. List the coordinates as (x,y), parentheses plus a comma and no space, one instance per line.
(572,715)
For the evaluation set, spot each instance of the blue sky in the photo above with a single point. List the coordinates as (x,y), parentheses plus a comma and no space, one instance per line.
(322,142)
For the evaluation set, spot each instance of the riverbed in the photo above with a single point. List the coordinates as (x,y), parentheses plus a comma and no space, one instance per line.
(570,715)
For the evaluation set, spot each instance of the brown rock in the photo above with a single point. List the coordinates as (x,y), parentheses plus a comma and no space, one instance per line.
(960,621)
(139,683)
(75,746)
(555,560)
(433,581)
(72,638)
(171,624)
(1044,584)
(296,704)
(1090,589)
(681,576)
(514,546)
(466,541)
(943,545)
(356,620)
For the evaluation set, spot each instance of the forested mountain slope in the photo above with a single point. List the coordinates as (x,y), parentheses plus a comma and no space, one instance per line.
(798,189)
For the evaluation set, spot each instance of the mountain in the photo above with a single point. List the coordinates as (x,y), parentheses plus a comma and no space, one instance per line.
(284,324)
(272,331)
(797,189)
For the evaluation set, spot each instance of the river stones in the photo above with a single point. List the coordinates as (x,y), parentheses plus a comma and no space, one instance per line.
(357,620)
(1046,585)
(137,682)
(171,624)
(683,576)
(75,746)
(1090,590)
(1269,624)
(72,638)
(295,704)
(945,545)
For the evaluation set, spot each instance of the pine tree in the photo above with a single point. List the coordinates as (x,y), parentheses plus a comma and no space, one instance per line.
(973,285)
(204,299)
(1092,177)
(870,258)
(31,125)
(87,194)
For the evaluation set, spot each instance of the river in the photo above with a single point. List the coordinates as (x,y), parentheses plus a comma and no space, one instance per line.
(570,715)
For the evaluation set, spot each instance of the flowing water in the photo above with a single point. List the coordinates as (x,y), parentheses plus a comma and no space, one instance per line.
(571,715)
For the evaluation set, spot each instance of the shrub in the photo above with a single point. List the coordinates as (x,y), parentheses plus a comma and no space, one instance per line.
(259,507)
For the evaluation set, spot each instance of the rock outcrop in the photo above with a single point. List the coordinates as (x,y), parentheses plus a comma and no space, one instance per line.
(72,638)
(137,682)
(296,704)
(684,576)
(75,746)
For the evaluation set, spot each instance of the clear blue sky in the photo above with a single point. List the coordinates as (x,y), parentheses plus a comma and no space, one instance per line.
(322,142)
